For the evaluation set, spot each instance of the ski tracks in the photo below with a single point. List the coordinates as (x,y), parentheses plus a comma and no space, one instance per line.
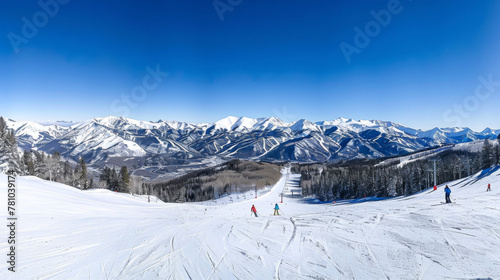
(215,266)
(293,233)
(451,245)
(266,226)
(374,257)
(277,274)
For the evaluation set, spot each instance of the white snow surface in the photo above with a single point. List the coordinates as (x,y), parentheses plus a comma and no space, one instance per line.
(65,233)
(226,123)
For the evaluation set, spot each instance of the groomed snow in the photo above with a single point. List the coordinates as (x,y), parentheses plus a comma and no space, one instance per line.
(64,233)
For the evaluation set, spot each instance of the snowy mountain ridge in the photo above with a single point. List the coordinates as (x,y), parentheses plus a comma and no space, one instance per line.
(263,138)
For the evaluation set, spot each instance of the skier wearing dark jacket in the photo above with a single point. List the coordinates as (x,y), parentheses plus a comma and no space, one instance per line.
(447,194)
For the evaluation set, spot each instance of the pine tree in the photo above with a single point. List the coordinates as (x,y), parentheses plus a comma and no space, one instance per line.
(486,155)
(113,180)
(123,180)
(497,153)
(391,185)
(104,176)
(81,171)
(3,127)
(67,172)
(41,169)
(55,167)
(11,137)
(28,162)
(8,149)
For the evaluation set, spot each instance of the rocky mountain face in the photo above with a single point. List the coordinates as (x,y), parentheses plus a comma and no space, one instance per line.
(100,139)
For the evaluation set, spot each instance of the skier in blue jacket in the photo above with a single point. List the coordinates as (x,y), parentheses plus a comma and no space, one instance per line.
(447,194)
(276,209)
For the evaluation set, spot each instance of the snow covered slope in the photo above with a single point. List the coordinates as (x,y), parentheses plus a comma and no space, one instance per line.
(65,233)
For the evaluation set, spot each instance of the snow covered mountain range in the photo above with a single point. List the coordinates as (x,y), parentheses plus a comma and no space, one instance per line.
(270,138)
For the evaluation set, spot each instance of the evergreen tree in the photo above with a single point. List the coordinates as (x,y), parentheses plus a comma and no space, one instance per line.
(113,180)
(8,149)
(81,172)
(123,180)
(67,172)
(28,162)
(497,153)
(487,155)
(55,167)
(391,185)
(105,176)
(3,127)
(41,169)
(10,137)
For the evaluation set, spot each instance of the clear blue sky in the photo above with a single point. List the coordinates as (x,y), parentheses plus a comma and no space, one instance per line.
(265,58)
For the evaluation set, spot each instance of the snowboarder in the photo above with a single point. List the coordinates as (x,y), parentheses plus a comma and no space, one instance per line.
(276,209)
(254,210)
(489,188)
(447,194)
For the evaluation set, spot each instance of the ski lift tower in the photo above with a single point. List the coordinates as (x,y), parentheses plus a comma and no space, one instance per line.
(434,161)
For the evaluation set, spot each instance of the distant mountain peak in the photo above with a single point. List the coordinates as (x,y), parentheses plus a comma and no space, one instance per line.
(226,123)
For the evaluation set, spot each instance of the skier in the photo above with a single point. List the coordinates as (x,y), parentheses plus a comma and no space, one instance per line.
(435,187)
(254,210)
(489,188)
(276,209)
(448,192)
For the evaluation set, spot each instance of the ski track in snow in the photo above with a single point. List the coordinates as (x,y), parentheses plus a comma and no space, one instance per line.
(64,233)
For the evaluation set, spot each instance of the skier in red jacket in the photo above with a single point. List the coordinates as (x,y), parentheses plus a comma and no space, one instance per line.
(254,210)
(489,188)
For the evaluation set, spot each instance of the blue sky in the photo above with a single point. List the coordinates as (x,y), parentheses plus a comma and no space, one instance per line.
(255,58)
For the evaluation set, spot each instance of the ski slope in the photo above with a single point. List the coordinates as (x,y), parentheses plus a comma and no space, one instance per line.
(65,233)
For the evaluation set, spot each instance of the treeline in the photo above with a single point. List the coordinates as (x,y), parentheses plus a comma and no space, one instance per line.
(235,176)
(347,181)
(120,180)
(40,164)
(54,168)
